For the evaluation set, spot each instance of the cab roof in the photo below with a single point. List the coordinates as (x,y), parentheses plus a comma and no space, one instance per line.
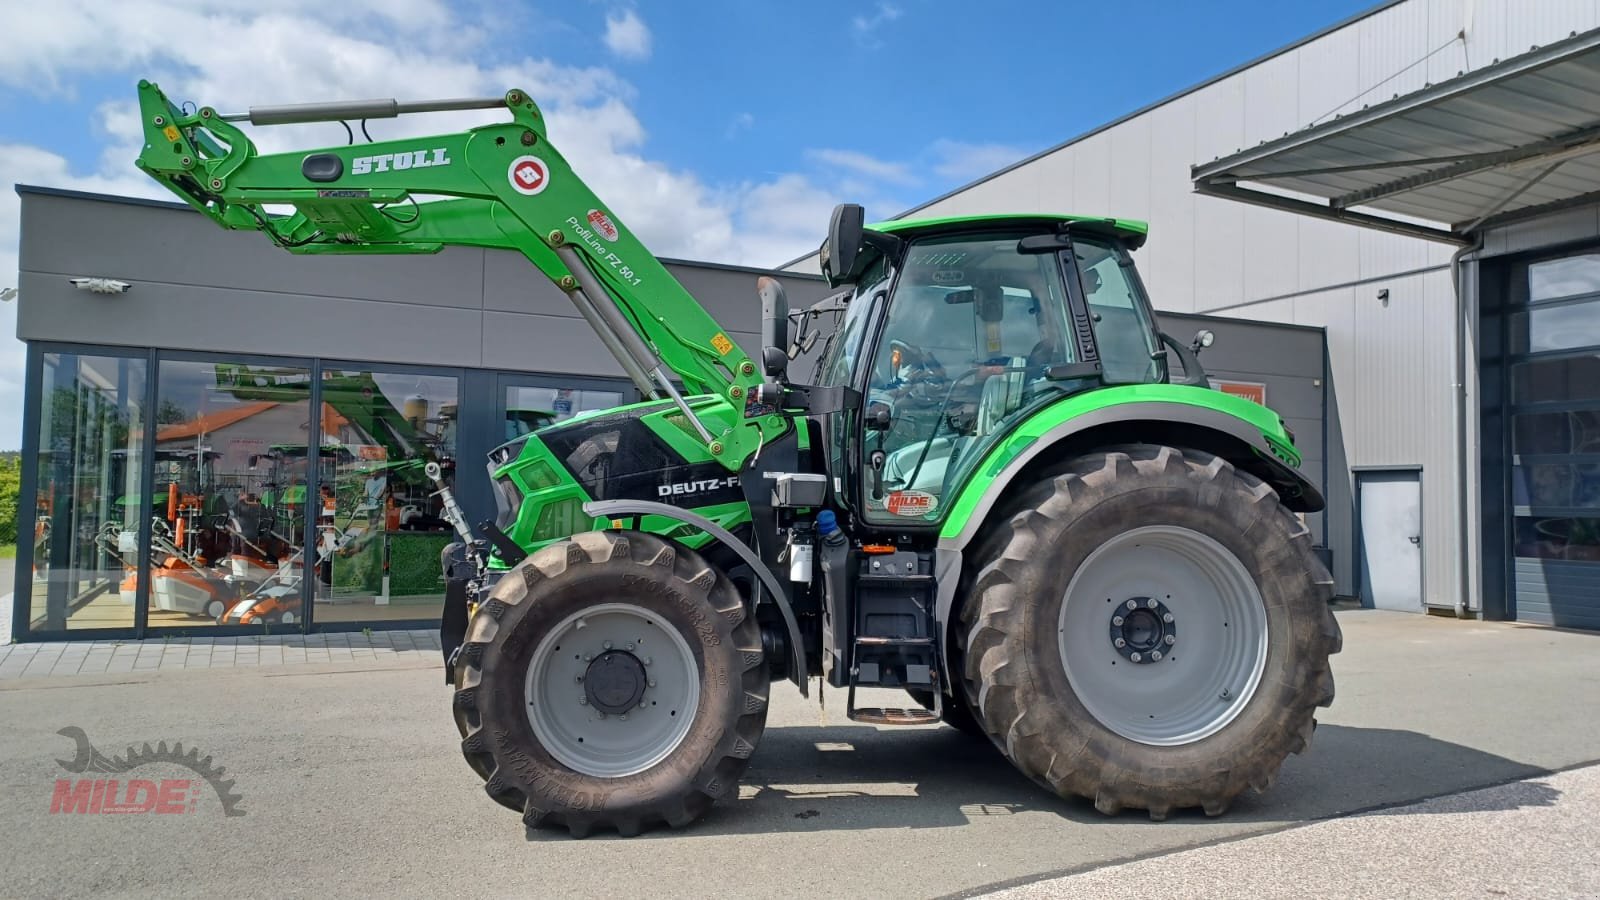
(1131,231)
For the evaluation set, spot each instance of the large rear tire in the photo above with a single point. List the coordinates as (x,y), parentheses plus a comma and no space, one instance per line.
(613,680)
(1149,629)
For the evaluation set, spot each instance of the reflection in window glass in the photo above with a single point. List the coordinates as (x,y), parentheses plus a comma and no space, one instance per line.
(1547,537)
(91,497)
(380,529)
(1565,485)
(228,516)
(1556,380)
(1568,277)
(1570,326)
(531,408)
(1576,431)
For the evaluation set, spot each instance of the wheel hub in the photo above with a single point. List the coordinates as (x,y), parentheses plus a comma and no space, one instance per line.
(1143,630)
(614,682)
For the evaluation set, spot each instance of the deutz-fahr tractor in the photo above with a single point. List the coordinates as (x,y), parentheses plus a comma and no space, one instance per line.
(1003,494)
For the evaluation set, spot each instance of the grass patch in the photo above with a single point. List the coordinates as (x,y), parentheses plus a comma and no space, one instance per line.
(8,551)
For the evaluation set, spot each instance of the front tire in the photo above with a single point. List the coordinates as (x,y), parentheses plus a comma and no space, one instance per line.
(1150,630)
(652,723)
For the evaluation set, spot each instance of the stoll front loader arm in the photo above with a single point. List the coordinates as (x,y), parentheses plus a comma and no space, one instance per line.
(503,186)
(509,188)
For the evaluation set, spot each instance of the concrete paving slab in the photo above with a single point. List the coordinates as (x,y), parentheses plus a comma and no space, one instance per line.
(1534,838)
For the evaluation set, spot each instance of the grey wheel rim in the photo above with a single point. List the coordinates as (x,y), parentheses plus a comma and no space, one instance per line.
(1163,635)
(612,690)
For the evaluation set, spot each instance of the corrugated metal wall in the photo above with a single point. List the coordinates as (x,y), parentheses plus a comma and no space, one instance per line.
(1391,366)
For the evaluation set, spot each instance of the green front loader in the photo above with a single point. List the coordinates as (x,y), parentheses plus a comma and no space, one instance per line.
(1002,493)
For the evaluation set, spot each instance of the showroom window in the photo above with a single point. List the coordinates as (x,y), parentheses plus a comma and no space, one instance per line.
(230,485)
(380,527)
(90,493)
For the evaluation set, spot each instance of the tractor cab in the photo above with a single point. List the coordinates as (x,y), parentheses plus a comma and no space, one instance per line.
(955,331)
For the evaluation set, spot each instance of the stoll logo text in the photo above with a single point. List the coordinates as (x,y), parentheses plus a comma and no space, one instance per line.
(99,795)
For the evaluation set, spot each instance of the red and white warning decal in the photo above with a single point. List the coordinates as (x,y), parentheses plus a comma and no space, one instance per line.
(912,503)
(603,225)
(528,175)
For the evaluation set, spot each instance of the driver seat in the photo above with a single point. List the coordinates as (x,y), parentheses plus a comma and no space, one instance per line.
(1002,395)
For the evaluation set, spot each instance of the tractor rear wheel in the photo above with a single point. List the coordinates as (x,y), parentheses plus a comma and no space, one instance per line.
(1150,629)
(613,680)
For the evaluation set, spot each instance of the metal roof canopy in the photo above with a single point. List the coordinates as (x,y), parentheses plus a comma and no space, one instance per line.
(1512,140)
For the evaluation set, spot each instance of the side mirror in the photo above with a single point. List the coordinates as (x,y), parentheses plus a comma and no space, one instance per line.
(1202,339)
(843,245)
(774,326)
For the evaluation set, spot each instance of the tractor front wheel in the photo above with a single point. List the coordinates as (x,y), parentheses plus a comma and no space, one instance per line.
(613,680)
(1150,629)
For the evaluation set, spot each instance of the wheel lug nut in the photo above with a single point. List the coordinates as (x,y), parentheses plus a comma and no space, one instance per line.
(630,646)
(1152,603)
(1116,620)
(583,701)
(606,645)
(1155,655)
(1133,604)
(650,684)
(1135,657)
(1170,639)
(648,660)
(1166,617)
(1120,643)
(622,718)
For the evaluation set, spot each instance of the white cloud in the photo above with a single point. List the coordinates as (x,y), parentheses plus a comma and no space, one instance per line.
(865,28)
(627,36)
(963,162)
(742,122)
(863,164)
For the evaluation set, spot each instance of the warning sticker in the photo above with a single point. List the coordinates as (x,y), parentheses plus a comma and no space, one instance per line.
(721,342)
(528,175)
(171,132)
(912,503)
(603,225)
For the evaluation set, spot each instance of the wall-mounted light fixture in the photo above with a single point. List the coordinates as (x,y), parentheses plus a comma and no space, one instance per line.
(101,285)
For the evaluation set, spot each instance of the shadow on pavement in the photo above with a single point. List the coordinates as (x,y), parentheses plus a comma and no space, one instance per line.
(808,779)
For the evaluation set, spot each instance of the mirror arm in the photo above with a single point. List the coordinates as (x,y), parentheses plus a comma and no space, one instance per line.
(1193,374)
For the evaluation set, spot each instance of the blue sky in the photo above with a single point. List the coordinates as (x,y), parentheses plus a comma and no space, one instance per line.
(718,129)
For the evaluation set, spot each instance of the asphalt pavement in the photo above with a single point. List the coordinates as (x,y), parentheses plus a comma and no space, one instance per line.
(351,784)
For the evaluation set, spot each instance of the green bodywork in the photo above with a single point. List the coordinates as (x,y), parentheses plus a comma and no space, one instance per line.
(976,480)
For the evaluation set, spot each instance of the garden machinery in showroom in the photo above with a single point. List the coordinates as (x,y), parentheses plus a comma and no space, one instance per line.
(1003,492)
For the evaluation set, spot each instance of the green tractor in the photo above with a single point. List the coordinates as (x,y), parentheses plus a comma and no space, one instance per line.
(1003,493)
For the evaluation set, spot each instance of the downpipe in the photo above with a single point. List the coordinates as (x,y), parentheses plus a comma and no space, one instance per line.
(1458,415)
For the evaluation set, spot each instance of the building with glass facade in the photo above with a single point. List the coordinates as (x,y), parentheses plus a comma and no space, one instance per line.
(239,441)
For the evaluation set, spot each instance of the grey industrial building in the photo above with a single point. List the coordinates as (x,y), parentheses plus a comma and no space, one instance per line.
(1393,226)
(1422,182)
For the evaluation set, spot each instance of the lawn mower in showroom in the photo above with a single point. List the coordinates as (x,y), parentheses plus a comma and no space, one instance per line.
(1005,493)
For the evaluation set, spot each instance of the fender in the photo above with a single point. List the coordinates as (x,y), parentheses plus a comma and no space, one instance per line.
(1248,422)
(613,509)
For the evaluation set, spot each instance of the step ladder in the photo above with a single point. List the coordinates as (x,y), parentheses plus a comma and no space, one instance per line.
(896,644)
